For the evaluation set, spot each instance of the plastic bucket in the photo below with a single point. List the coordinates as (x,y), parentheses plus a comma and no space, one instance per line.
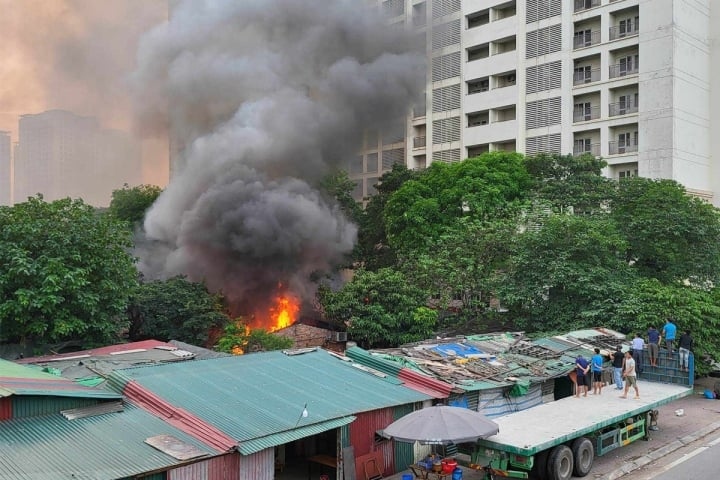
(456,474)
(407,476)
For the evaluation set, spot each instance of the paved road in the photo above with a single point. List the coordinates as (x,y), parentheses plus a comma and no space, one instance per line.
(702,462)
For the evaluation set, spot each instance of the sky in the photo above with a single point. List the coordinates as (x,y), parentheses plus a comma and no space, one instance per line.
(77,55)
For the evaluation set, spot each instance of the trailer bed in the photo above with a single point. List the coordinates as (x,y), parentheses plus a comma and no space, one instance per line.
(536,429)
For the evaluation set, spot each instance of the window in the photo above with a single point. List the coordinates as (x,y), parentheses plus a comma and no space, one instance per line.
(627,142)
(628,26)
(583,74)
(583,38)
(582,112)
(477,86)
(582,145)
(628,64)
(627,173)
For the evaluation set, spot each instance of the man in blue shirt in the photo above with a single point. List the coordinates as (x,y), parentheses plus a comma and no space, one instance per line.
(597,363)
(669,333)
(653,345)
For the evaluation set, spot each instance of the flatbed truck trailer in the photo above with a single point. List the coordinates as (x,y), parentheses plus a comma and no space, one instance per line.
(559,439)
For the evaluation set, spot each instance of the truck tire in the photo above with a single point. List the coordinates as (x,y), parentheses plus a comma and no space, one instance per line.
(560,463)
(583,455)
(539,470)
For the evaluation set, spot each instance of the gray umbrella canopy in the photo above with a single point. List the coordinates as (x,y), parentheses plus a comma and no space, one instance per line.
(441,425)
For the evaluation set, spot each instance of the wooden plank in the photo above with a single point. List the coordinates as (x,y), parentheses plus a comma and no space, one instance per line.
(348,456)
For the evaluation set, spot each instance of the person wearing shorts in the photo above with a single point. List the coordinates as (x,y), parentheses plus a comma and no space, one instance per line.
(653,345)
(596,363)
(668,333)
(630,376)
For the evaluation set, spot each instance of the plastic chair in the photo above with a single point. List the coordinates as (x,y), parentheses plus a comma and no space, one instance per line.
(372,471)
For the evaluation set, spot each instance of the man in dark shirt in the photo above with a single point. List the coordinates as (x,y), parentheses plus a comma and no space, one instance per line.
(617,362)
(653,345)
(581,369)
(684,348)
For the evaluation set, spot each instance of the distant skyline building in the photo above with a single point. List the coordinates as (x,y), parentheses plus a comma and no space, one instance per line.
(632,81)
(5,168)
(61,154)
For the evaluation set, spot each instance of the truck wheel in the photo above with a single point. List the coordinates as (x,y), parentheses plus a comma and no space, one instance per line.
(584,456)
(539,470)
(560,463)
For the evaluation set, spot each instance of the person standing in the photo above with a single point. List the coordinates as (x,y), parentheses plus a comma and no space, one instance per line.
(618,361)
(685,346)
(638,346)
(653,345)
(668,333)
(596,365)
(581,369)
(629,375)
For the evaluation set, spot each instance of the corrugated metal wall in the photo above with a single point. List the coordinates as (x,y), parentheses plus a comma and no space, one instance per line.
(224,467)
(404,452)
(5,408)
(494,403)
(362,436)
(31,406)
(258,466)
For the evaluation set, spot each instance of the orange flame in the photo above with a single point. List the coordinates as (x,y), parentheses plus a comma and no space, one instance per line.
(284,313)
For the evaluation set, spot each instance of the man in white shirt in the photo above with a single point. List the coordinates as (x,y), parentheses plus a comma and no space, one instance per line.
(629,375)
(638,346)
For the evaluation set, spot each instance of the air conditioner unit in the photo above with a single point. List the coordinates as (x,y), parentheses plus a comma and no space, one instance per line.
(338,336)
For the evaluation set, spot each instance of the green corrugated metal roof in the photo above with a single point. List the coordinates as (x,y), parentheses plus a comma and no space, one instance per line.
(280,438)
(22,380)
(252,396)
(102,447)
(377,362)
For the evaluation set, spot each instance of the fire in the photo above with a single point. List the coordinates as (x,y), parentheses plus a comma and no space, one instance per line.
(284,312)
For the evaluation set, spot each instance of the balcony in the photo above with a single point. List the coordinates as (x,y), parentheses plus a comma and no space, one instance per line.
(619,148)
(587,114)
(593,149)
(622,108)
(418,142)
(586,40)
(586,76)
(623,31)
(623,69)
(581,5)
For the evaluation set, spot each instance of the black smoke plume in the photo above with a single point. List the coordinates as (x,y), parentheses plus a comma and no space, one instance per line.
(262,98)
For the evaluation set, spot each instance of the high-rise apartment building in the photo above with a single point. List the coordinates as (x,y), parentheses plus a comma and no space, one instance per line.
(61,154)
(634,81)
(5,168)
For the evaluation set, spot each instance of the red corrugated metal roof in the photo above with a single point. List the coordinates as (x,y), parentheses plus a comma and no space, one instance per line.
(178,418)
(424,384)
(143,345)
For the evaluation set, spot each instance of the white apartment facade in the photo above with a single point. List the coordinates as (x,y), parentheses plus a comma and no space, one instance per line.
(634,81)
(61,154)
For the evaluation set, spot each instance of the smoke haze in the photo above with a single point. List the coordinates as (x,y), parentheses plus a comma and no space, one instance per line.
(73,55)
(265,97)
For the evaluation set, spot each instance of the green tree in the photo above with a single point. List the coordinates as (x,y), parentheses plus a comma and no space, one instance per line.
(671,236)
(570,181)
(373,246)
(130,204)
(66,273)
(176,309)
(339,186)
(649,302)
(380,309)
(238,339)
(480,188)
(462,264)
(565,273)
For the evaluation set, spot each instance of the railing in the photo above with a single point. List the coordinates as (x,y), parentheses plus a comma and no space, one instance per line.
(418,142)
(581,41)
(586,115)
(621,70)
(581,5)
(622,108)
(478,88)
(614,148)
(586,77)
(627,31)
(593,150)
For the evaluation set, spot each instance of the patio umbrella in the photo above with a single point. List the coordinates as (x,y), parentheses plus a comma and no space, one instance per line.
(441,425)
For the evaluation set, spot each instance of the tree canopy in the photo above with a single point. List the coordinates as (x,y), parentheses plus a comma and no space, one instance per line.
(175,309)
(66,272)
(131,203)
